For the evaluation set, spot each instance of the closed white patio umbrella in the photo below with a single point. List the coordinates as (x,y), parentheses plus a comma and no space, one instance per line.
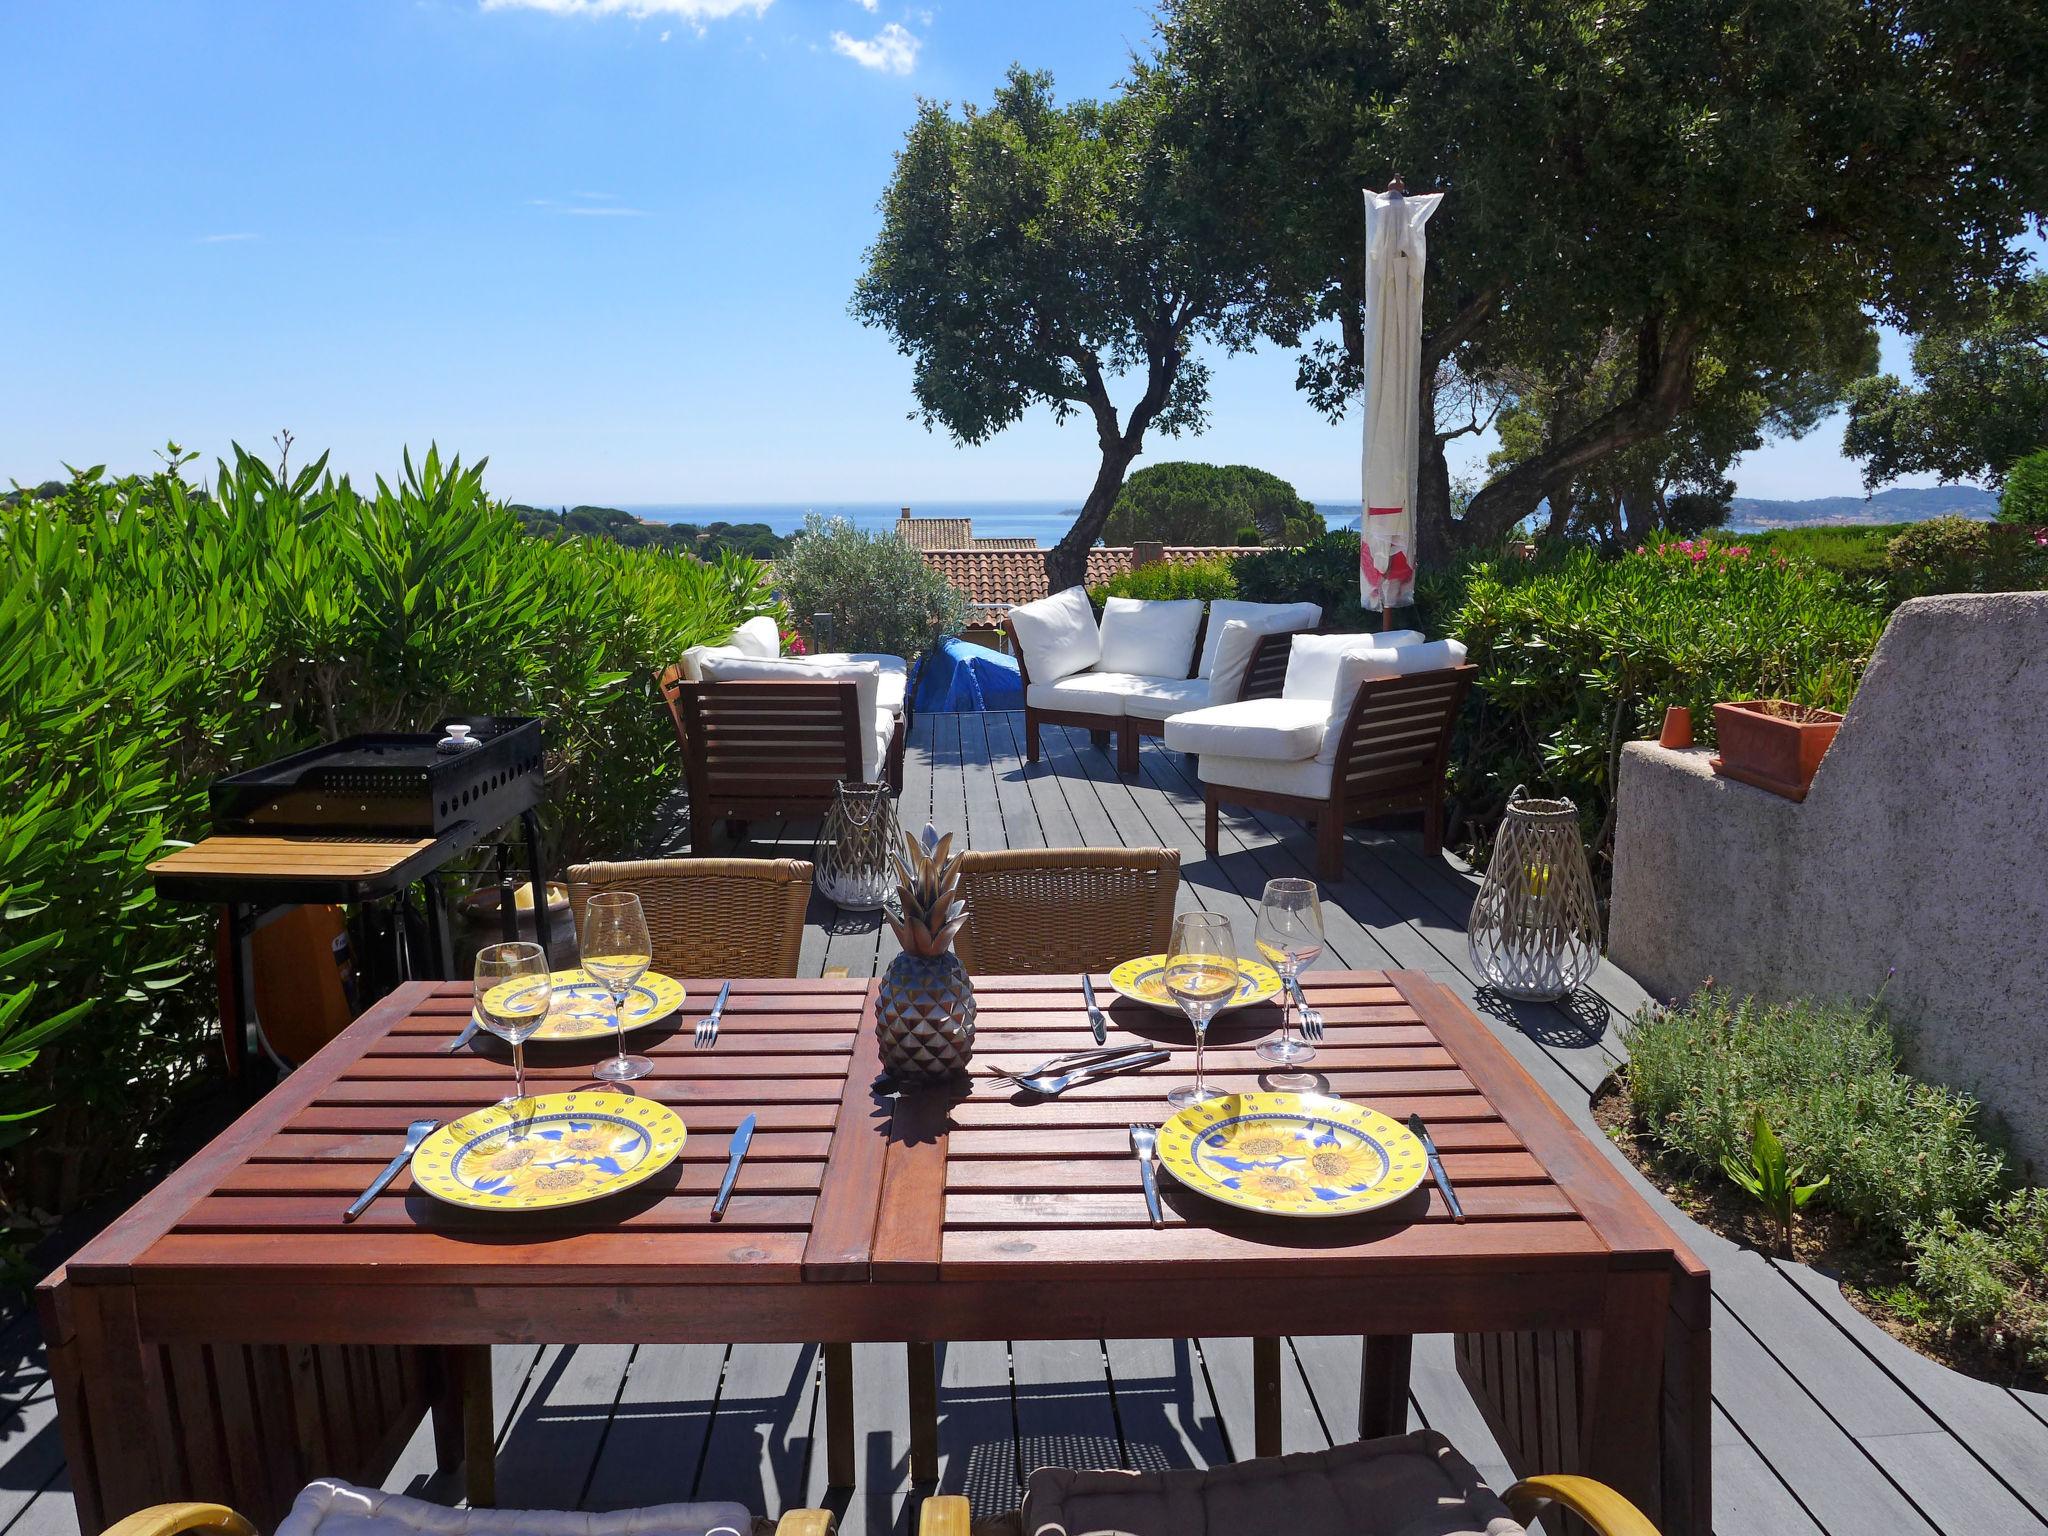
(1394,256)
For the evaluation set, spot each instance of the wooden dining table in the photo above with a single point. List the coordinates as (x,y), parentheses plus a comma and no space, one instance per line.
(230,1336)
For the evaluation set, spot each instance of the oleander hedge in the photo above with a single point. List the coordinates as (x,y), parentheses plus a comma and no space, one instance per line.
(155,633)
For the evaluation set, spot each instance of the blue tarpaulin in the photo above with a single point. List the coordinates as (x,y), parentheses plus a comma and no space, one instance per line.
(958,676)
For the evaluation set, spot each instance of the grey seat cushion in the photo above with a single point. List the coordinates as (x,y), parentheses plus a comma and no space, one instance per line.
(1407,1485)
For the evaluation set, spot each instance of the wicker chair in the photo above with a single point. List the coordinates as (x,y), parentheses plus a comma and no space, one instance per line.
(711,917)
(1034,911)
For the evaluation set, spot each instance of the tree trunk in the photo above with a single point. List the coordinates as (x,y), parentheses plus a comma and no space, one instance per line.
(1560,498)
(1066,563)
(1433,533)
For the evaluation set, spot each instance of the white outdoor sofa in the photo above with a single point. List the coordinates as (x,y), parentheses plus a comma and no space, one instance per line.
(1144,662)
(1362,728)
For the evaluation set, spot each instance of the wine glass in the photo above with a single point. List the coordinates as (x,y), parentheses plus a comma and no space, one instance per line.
(512,991)
(1290,936)
(617,951)
(1201,975)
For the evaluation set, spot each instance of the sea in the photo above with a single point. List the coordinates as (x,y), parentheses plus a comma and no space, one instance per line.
(1045,521)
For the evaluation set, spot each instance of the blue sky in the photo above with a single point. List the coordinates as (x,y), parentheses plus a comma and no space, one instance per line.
(608,243)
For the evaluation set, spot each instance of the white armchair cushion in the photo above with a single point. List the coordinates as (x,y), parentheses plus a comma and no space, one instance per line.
(693,659)
(1057,635)
(1149,639)
(1271,730)
(895,684)
(1163,698)
(1360,667)
(327,1508)
(1088,693)
(1312,662)
(1239,639)
(1260,618)
(865,676)
(759,636)
(1308,778)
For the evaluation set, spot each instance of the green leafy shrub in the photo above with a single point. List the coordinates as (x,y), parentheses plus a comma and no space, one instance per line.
(1961,554)
(1165,580)
(2024,497)
(154,635)
(1185,503)
(1990,1281)
(1898,1152)
(1323,571)
(1857,552)
(880,593)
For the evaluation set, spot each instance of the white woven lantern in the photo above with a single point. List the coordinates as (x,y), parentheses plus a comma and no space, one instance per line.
(1535,929)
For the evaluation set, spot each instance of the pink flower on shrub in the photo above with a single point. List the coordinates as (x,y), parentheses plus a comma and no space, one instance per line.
(793,644)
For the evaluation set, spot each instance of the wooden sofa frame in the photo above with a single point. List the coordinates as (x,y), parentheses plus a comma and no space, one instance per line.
(769,748)
(1263,677)
(1392,756)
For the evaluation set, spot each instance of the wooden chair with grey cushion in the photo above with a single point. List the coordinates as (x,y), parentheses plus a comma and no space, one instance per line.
(710,917)
(1040,911)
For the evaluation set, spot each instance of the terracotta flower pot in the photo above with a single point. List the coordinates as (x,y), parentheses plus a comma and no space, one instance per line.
(1677,727)
(1773,744)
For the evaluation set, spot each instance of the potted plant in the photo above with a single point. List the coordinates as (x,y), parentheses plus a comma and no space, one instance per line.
(1773,743)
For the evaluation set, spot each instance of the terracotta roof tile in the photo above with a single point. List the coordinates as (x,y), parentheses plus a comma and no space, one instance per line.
(936,532)
(1003,578)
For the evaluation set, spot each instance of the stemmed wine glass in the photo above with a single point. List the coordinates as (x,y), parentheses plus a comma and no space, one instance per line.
(1290,936)
(1201,975)
(512,992)
(617,951)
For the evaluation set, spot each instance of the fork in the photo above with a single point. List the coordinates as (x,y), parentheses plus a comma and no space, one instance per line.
(707,1027)
(1311,1020)
(1053,1087)
(1071,1060)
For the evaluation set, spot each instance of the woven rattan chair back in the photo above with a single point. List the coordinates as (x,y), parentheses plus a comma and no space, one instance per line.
(711,917)
(1033,911)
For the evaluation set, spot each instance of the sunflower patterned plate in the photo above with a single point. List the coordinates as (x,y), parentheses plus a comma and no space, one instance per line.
(1143,980)
(1292,1154)
(580,1006)
(542,1153)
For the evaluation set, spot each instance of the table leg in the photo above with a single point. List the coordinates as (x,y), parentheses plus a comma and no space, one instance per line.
(530,820)
(923,1360)
(839,1456)
(440,946)
(1383,1386)
(1624,1429)
(479,1426)
(1266,1397)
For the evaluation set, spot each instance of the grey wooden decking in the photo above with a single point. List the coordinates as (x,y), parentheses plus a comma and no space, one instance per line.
(1823,1423)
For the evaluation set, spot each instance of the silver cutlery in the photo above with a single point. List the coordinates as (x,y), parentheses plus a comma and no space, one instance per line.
(1053,1087)
(468,1033)
(707,1027)
(741,1139)
(1144,1142)
(1095,1019)
(415,1133)
(1071,1059)
(1310,1019)
(1436,1167)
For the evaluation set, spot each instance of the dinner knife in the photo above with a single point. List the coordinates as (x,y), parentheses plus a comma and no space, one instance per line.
(741,1138)
(1144,1141)
(1436,1167)
(1095,1018)
(415,1133)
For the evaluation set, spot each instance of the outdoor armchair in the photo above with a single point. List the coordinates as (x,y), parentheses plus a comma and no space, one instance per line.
(710,917)
(1050,911)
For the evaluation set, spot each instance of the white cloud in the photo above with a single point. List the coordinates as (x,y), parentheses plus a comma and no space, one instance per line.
(228,239)
(664,34)
(893,50)
(695,12)
(870,6)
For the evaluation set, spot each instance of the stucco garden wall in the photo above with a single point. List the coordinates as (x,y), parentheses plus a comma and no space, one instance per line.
(1922,850)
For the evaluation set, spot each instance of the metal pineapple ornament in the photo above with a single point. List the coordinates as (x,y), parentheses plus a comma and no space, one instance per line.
(924,1011)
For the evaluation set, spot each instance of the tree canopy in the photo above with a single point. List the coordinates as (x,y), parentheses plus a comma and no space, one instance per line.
(1207,504)
(1741,180)
(1979,401)
(1034,254)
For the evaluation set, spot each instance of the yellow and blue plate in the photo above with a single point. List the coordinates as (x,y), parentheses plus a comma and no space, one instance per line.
(543,1153)
(1143,980)
(1292,1154)
(580,1006)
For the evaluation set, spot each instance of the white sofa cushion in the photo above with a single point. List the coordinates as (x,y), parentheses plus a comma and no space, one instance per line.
(759,636)
(1360,667)
(1089,693)
(1238,639)
(895,684)
(1307,778)
(1312,662)
(328,1508)
(1162,698)
(693,659)
(1057,635)
(1149,639)
(1261,618)
(865,676)
(1272,730)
